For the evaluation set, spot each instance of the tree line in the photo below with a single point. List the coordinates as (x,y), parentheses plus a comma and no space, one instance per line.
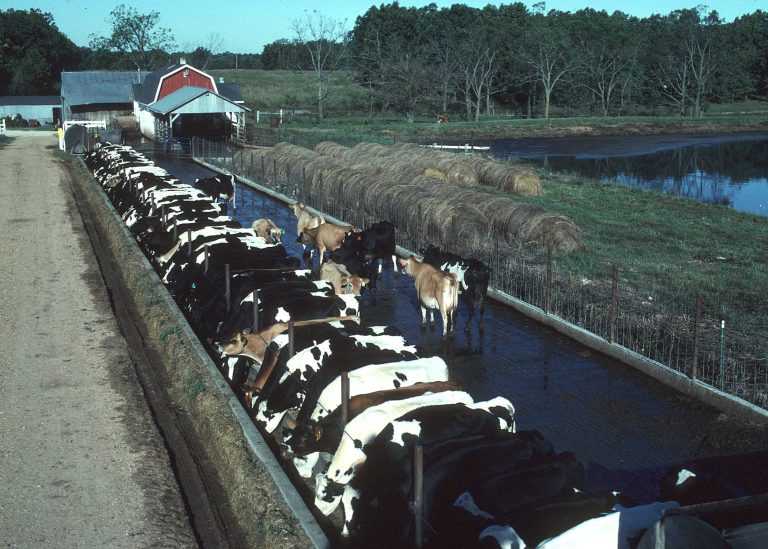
(469,62)
(474,62)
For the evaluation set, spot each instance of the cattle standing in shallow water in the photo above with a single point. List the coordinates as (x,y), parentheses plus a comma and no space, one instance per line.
(435,290)
(473,276)
(305,220)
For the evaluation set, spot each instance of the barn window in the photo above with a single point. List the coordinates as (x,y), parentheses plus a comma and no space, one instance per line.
(186,73)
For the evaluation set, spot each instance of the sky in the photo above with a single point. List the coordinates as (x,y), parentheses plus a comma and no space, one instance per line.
(243,26)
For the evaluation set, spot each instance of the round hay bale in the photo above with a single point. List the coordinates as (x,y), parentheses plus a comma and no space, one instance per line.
(329,148)
(462,175)
(437,174)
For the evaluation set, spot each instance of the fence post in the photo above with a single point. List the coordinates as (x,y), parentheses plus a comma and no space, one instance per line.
(274,169)
(291,337)
(256,310)
(344,399)
(696,322)
(189,242)
(548,307)
(227,285)
(175,229)
(722,354)
(418,494)
(205,251)
(614,304)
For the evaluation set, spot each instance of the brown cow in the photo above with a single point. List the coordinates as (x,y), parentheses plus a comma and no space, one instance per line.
(305,220)
(254,344)
(326,236)
(435,290)
(343,282)
(266,229)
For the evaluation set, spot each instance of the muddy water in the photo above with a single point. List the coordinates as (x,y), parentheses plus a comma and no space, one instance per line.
(626,428)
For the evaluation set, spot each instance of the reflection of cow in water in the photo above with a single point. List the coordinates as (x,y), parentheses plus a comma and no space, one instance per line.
(442,118)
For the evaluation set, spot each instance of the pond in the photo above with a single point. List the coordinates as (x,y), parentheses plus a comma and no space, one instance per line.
(727,169)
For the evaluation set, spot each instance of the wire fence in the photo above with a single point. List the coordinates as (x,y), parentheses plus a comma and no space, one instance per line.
(730,354)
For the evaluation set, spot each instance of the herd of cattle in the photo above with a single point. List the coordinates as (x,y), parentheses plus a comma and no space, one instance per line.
(286,336)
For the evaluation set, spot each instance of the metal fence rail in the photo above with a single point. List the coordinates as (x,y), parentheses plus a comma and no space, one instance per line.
(676,333)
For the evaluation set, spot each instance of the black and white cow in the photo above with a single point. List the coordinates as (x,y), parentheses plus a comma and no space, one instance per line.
(361,431)
(309,372)
(217,186)
(473,275)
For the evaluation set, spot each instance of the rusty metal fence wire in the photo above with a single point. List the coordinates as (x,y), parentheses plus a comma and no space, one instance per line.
(674,332)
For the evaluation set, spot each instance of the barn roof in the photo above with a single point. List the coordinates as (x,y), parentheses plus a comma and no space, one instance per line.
(53,100)
(231,91)
(145,92)
(195,100)
(99,87)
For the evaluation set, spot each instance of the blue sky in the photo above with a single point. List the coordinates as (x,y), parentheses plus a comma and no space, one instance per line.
(246,26)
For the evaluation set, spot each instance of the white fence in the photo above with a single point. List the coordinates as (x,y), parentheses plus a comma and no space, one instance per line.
(2,126)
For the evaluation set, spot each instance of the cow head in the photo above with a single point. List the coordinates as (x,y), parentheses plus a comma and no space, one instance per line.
(302,438)
(233,346)
(275,235)
(304,238)
(297,208)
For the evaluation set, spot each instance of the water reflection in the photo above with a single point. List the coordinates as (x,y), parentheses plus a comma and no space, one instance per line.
(730,170)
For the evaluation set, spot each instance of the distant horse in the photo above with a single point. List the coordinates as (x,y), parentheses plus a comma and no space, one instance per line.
(442,118)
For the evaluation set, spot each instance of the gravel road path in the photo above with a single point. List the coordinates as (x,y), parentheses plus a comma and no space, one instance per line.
(81,461)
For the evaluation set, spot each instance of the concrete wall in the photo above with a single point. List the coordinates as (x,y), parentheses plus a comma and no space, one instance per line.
(268,507)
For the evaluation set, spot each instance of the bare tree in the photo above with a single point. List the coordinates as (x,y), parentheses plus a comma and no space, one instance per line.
(324,38)
(551,64)
(704,64)
(201,53)
(136,35)
(478,71)
(673,74)
(606,72)
(447,63)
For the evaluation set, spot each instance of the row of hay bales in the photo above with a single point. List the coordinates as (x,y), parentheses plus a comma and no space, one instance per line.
(386,187)
(464,171)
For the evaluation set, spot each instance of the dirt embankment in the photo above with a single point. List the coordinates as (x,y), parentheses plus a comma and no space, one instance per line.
(684,126)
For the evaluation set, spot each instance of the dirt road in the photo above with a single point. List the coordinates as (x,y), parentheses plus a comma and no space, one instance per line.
(81,461)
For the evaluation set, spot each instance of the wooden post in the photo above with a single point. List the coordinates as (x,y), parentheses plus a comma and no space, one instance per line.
(206,259)
(722,354)
(696,321)
(175,229)
(274,169)
(227,285)
(256,310)
(291,336)
(162,214)
(548,306)
(418,495)
(614,304)
(189,242)
(344,399)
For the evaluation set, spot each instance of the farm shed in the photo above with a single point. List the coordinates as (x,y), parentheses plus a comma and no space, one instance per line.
(44,108)
(180,101)
(97,95)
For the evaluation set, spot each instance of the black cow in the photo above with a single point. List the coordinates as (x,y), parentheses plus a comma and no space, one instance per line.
(473,275)
(374,242)
(217,186)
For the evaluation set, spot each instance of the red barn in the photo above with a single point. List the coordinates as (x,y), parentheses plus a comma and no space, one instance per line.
(181,101)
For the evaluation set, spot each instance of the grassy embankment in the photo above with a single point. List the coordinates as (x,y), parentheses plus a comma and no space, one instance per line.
(671,248)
